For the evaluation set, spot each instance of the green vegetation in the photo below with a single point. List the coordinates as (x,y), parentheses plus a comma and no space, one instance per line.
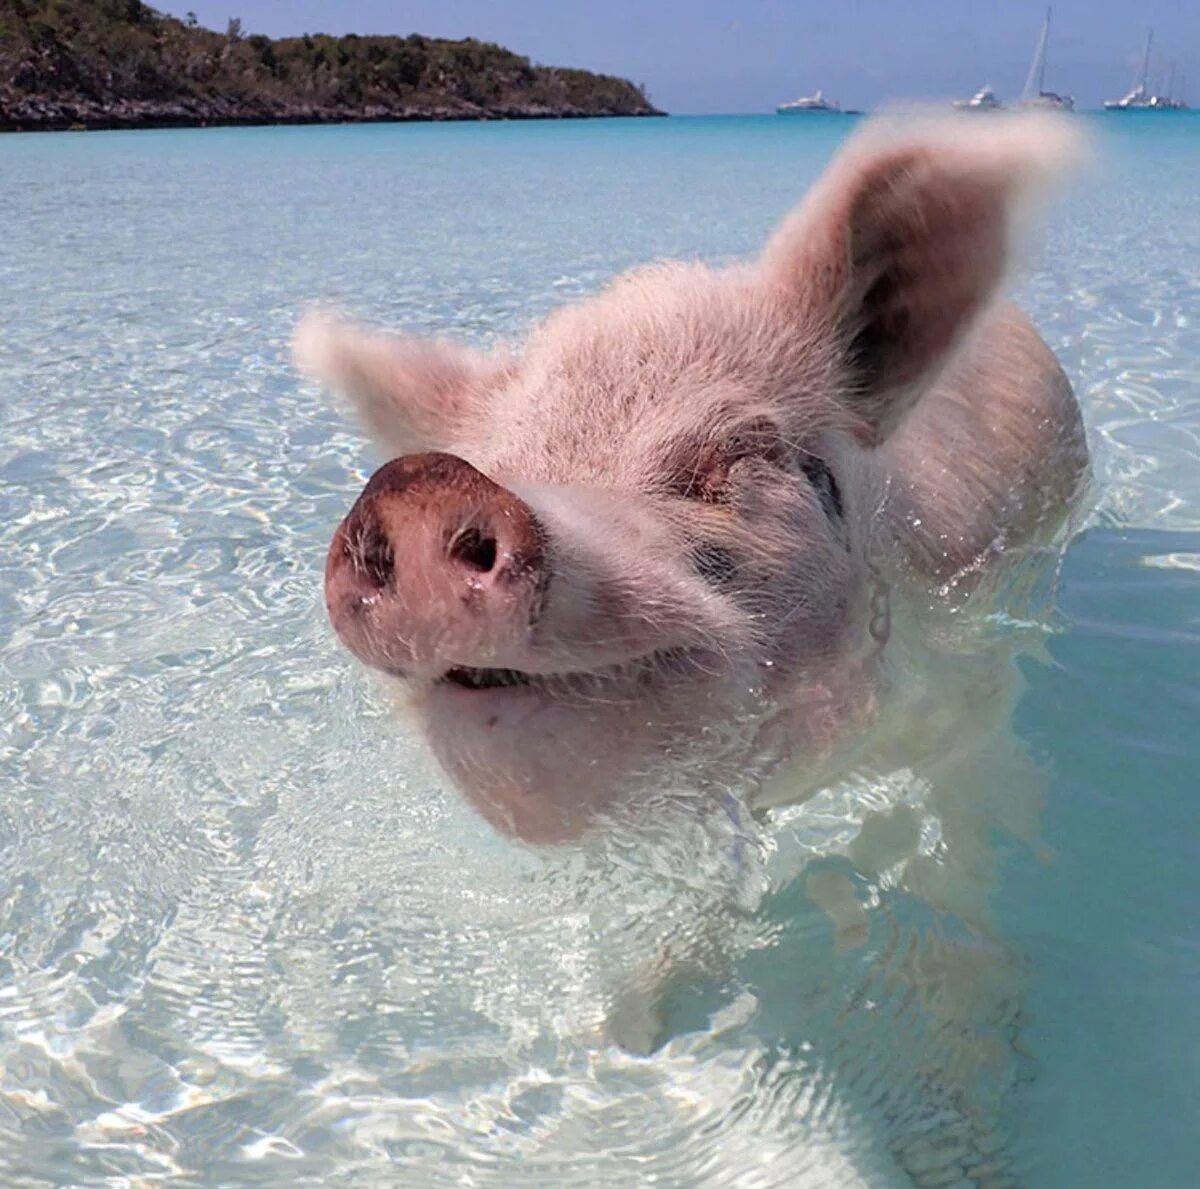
(120,63)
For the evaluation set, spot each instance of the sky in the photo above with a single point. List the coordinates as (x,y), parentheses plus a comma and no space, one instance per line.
(709,56)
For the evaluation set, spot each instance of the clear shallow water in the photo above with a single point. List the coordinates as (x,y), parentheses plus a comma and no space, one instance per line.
(245,935)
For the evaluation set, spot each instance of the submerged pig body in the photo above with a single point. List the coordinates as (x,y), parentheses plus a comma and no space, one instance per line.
(651,544)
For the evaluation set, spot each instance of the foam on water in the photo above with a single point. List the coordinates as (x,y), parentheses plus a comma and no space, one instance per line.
(246,935)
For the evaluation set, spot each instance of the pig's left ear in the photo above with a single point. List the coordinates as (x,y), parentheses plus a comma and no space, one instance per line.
(899,246)
(411,394)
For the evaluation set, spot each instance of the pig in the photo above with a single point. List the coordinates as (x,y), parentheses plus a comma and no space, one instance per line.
(657,543)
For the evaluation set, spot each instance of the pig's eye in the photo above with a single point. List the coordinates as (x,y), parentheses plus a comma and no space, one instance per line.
(703,476)
(702,473)
(816,471)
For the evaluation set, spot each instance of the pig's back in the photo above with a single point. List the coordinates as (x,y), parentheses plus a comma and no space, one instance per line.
(991,458)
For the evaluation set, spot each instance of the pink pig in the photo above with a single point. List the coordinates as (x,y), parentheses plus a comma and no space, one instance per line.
(652,543)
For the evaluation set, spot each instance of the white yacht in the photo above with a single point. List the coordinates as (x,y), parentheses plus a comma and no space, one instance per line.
(808,103)
(983,100)
(1140,97)
(1035,93)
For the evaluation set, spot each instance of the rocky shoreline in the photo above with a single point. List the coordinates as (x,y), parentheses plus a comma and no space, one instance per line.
(36,114)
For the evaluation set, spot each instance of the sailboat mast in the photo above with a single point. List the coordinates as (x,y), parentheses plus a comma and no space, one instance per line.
(1142,82)
(1042,52)
(1035,84)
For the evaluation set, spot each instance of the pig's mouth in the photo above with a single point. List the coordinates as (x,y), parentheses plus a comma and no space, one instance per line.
(486,678)
(666,663)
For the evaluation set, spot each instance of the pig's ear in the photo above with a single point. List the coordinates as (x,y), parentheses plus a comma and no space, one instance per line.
(900,245)
(411,394)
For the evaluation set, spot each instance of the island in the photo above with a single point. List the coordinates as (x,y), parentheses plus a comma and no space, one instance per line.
(79,64)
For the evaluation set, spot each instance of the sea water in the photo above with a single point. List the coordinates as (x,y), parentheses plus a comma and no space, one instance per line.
(247,936)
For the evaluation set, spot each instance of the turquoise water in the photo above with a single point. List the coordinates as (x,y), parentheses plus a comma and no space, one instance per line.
(247,937)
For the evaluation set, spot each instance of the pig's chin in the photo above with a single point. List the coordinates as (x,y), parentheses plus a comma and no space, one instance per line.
(542,756)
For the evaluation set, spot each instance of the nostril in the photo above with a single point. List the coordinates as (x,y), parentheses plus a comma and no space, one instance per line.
(375,557)
(474,549)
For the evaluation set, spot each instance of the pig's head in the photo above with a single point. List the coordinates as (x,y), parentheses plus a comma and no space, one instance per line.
(638,543)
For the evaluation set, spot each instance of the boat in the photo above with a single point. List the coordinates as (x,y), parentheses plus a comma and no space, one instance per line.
(1035,93)
(809,103)
(1137,98)
(983,100)
(1140,97)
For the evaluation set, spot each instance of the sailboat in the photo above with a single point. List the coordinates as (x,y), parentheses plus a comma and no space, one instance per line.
(1035,93)
(1139,97)
(1170,101)
(1136,98)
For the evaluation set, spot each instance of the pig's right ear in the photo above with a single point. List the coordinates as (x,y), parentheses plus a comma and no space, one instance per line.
(411,394)
(899,246)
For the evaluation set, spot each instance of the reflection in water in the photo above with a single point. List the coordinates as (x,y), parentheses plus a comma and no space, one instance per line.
(851,948)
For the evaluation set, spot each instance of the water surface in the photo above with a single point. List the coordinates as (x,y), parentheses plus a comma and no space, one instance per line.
(247,937)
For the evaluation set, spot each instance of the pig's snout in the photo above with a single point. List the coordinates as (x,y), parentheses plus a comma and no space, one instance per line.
(435,567)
